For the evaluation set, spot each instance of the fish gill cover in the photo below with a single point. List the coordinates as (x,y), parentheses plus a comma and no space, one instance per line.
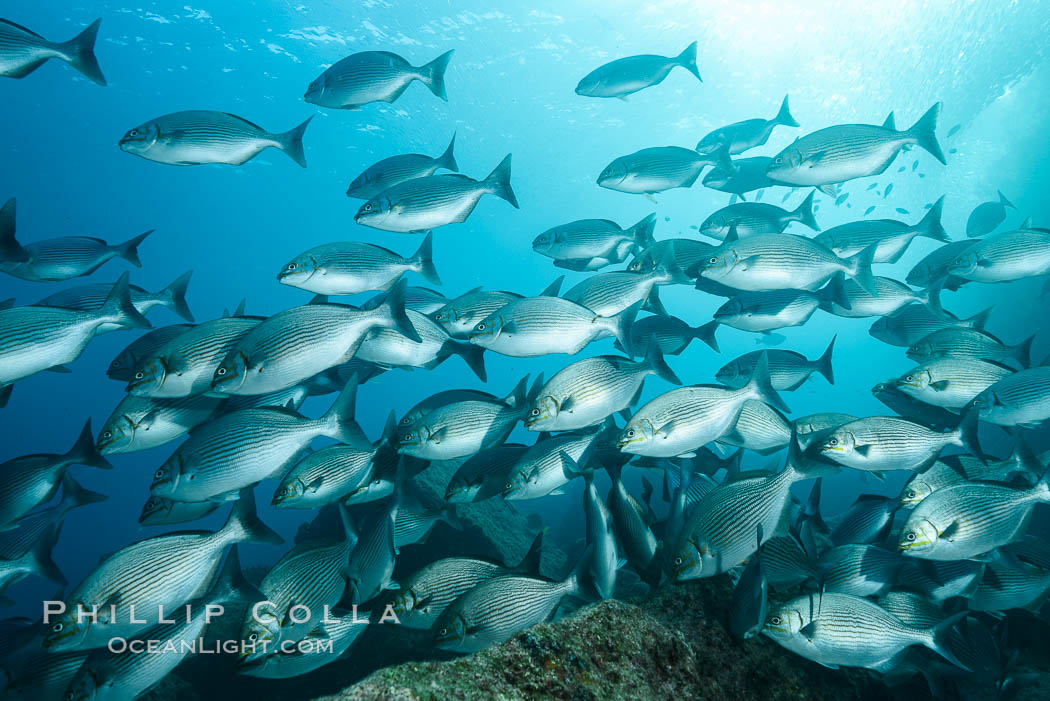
(232,421)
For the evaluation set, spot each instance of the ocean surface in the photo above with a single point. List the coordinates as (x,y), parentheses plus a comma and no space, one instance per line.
(510,89)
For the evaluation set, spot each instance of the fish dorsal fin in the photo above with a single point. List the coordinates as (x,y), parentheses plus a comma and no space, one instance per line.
(1027,223)
(245,121)
(890,122)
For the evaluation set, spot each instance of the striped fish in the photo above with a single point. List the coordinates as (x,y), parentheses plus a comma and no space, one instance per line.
(964,521)
(759,428)
(889,236)
(867,520)
(951,383)
(22,51)
(484,474)
(603,557)
(155,576)
(36,561)
(340,631)
(839,629)
(450,396)
(753,218)
(464,427)
(786,563)
(122,367)
(787,369)
(767,311)
(329,381)
(653,170)
(197,137)
(1021,465)
(421,299)
(426,203)
(1003,588)
(350,267)
(185,364)
(591,244)
(415,522)
(742,175)
(39,675)
(916,321)
(852,301)
(933,269)
(670,333)
(588,391)
(608,294)
(389,348)
(237,450)
(460,315)
(631,523)
(372,561)
(28,531)
(940,580)
(881,443)
(31,480)
(911,608)
(745,135)
(1018,399)
(1012,255)
(546,467)
(374,76)
(64,258)
(685,252)
(395,170)
(750,603)
(858,569)
(90,298)
(161,511)
(298,343)
(966,342)
(141,423)
(847,151)
(626,76)
(813,428)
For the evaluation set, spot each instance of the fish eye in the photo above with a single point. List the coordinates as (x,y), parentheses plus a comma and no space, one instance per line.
(481,326)
(911,494)
(220,372)
(712,260)
(908,378)
(107,434)
(253,637)
(910,536)
(778,160)
(833,441)
(291,266)
(159,473)
(775,620)
(444,631)
(406,437)
(150,504)
(631,433)
(139,375)
(367,207)
(57,628)
(535,412)
(678,561)
(133,132)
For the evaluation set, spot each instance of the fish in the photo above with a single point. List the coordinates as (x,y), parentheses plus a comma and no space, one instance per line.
(883,443)
(680,421)
(858,569)
(329,381)
(602,550)
(459,316)
(741,176)
(759,428)
(588,391)
(916,321)
(374,76)
(351,267)
(1005,257)
(418,517)
(869,210)
(812,428)
(750,605)
(752,218)
(342,631)
(484,474)
(395,170)
(34,562)
(26,533)
(839,153)
(836,629)
(239,449)
(967,520)
(669,333)
(933,269)
(155,576)
(609,294)
(952,383)
(142,423)
(372,560)
(89,298)
(787,369)
(908,407)
(954,130)
(297,343)
(781,261)
(632,526)
(748,134)
(626,76)
(1017,399)
(592,244)
(122,368)
(420,299)
(422,204)
(551,463)
(889,236)
(761,312)
(33,339)
(200,137)
(887,191)
(41,674)
(656,169)
(1021,465)
(450,396)
(987,216)
(965,342)
(841,198)
(161,511)
(848,299)
(1003,588)
(389,348)
(867,520)
(22,51)
(684,252)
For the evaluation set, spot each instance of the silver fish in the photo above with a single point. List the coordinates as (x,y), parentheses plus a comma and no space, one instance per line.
(460,315)
(141,423)
(484,475)
(1018,399)
(603,555)
(426,203)
(740,176)
(197,137)
(752,218)
(161,511)
(397,169)
(655,169)
(22,51)
(421,299)
(626,76)
(608,294)
(889,236)
(1003,588)
(122,367)
(813,428)
(374,76)
(858,569)
(450,396)
(631,523)
(669,333)
(745,135)
(759,428)
(64,258)
(25,534)
(546,467)
(684,252)
(350,267)
(915,321)
(90,298)
(787,369)
(1021,465)
(965,342)
(762,312)
(933,269)
(848,299)
(591,244)
(339,630)
(372,560)
(36,562)
(951,383)
(389,348)
(986,216)
(880,443)
(416,520)
(1012,255)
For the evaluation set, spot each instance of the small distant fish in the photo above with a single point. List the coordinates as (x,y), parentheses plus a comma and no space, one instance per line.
(741,136)
(397,169)
(374,76)
(954,130)
(786,197)
(22,51)
(91,297)
(901,210)
(890,237)
(841,198)
(626,76)
(872,187)
(787,369)
(869,210)
(954,150)
(197,137)
(901,169)
(987,216)
(887,191)
(1005,257)
(914,165)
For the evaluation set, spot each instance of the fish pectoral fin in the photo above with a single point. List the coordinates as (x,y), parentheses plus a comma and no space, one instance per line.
(556,491)
(829,189)
(949,532)
(315,484)
(438,435)
(509,327)
(940,385)
(863,448)
(59,369)
(574,264)
(688,455)
(815,157)
(650,196)
(809,631)
(666,428)
(225,497)
(622,98)
(566,405)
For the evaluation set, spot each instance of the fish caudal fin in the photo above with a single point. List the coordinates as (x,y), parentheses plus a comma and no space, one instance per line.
(620,326)
(175,293)
(394,306)
(129,250)
(424,259)
(654,361)
(473,355)
(1023,351)
(447,160)
(924,132)
(340,416)
(824,362)
(75,496)
(499,181)
(687,60)
(860,269)
(642,232)
(118,308)
(291,142)
(784,115)
(433,74)
(1003,201)
(938,640)
(706,333)
(761,387)
(804,213)
(967,434)
(244,525)
(83,451)
(10,249)
(80,52)
(38,559)
(930,226)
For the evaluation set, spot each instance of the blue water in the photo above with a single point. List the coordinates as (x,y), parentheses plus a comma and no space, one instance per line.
(510,88)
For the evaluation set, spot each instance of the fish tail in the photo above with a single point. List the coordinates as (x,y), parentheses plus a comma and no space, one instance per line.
(979,320)
(924,132)
(761,387)
(654,361)
(80,52)
(38,559)
(642,232)
(530,564)
(499,181)
(291,142)
(433,74)
(244,526)
(10,249)
(339,418)
(83,451)
(931,226)
(231,585)
(804,213)
(967,434)
(424,259)
(687,60)
(824,362)
(394,307)
(530,397)
(474,356)
(75,496)
(129,250)
(5,395)
(784,115)
(706,333)
(1003,201)
(175,293)
(621,324)
(519,395)
(834,293)
(1023,351)
(448,159)
(860,269)
(118,308)
(938,639)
